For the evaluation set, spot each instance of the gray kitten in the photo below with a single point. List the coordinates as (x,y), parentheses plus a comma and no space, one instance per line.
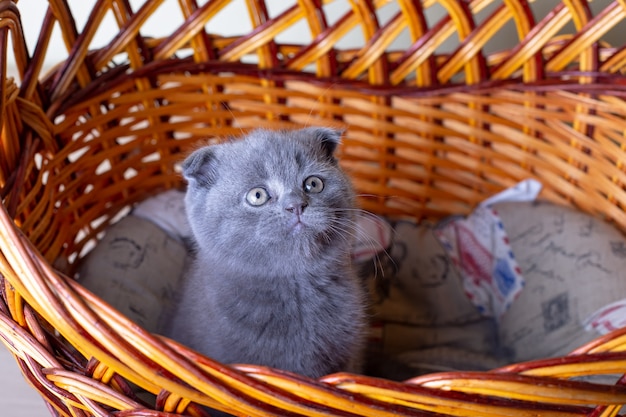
(272,281)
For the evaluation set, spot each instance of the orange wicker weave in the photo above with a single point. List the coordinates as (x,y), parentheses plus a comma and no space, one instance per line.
(433,127)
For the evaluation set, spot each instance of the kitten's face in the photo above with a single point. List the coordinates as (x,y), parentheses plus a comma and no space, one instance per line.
(275,197)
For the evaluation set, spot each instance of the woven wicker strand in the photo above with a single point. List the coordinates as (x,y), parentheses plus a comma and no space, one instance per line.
(433,126)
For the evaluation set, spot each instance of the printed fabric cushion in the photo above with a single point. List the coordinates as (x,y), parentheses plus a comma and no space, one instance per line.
(574,266)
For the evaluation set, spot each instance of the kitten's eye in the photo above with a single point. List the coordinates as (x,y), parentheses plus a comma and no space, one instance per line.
(313,184)
(257,196)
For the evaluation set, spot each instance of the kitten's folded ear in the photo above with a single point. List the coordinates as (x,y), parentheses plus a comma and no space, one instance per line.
(328,138)
(200,167)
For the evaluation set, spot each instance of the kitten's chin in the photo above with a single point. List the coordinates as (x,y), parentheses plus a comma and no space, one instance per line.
(302,240)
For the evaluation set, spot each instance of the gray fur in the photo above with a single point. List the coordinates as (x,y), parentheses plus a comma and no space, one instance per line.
(259,290)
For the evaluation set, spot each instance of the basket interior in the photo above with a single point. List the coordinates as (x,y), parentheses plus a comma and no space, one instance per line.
(438,114)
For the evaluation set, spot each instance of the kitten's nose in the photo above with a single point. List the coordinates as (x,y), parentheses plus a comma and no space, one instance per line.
(296,208)
(295,204)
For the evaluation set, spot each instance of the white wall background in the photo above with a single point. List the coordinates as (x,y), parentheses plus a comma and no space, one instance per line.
(233,19)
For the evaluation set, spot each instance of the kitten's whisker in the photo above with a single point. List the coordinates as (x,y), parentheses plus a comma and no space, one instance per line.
(352,230)
(306,122)
(235,121)
(367,216)
(367,195)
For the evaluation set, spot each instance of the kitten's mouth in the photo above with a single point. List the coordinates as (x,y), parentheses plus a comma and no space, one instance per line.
(298,226)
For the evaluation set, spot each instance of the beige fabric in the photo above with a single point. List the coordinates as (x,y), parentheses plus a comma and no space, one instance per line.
(573,264)
(421,319)
(135,268)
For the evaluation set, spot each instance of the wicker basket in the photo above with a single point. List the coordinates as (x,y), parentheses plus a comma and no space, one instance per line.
(433,127)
